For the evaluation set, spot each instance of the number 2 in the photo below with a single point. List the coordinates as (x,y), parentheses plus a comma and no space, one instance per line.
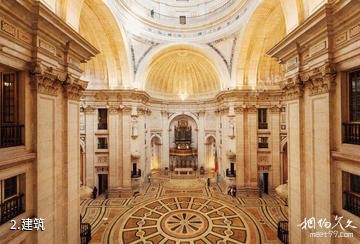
(13,227)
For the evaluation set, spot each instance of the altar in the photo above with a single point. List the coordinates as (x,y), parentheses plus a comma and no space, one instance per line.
(180,171)
(183,156)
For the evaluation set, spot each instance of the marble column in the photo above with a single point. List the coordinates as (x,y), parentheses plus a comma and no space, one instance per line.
(90,124)
(126,148)
(275,146)
(240,148)
(115,149)
(252,141)
(49,170)
(165,158)
(72,166)
(201,138)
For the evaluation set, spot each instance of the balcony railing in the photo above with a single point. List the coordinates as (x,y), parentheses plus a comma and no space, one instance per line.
(85,233)
(351,133)
(12,208)
(283,231)
(352,203)
(102,126)
(263,126)
(136,174)
(263,145)
(11,135)
(102,146)
(230,173)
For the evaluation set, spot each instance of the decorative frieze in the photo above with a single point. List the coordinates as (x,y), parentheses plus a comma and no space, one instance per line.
(318,47)
(292,64)
(47,46)
(354,31)
(348,35)
(8,28)
(15,32)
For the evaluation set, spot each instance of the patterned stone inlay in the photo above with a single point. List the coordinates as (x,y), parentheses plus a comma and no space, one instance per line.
(184,224)
(184,219)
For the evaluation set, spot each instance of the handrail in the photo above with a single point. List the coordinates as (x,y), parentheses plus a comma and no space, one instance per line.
(351,133)
(12,208)
(352,203)
(11,135)
(283,231)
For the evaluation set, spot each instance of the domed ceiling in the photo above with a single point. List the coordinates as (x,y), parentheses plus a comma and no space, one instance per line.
(170,20)
(182,72)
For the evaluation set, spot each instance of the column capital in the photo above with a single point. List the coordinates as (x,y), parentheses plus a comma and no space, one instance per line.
(275,109)
(252,109)
(293,88)
(46,80)
(114,109)
(319,80)
(89,109)
(73,88)
(240,110)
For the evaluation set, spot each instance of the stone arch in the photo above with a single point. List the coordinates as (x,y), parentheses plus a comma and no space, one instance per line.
(156,136)
(209,136)
(174,116)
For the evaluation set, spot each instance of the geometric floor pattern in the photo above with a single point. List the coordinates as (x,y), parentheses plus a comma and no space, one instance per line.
(193,213)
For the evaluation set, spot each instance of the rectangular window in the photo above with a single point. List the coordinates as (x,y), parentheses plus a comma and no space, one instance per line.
(102,143)
(102,119)
(11,131)
(262,118)
(182,20)
(263,142)
(9,95)
(351,127)
(351,193)
(354,96)
(10,187)
(12,197)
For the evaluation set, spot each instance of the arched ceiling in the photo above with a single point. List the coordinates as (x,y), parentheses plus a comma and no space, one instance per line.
(265,28)
(182,72)
(110,68)
(259,25)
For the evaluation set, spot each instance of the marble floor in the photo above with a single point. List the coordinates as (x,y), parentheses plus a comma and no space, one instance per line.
(184,211)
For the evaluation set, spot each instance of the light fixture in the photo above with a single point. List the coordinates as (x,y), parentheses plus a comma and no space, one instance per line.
(7,84)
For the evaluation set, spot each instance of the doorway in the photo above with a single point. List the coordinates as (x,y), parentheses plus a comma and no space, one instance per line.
(103,183)
(264,182)
(285,165)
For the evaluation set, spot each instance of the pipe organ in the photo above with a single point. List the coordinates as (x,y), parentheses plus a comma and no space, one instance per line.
(183,155)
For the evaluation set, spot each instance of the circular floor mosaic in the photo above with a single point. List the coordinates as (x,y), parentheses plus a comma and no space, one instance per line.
(183,220)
